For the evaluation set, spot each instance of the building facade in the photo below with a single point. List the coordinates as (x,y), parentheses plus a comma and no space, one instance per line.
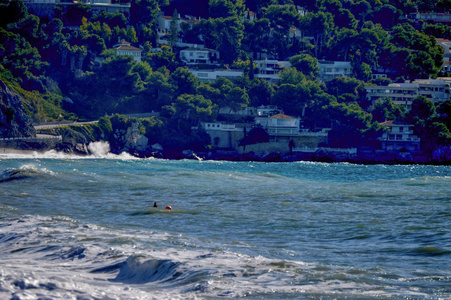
(192,56)
(436,90)
(125,48)
(399,137)
(331,69)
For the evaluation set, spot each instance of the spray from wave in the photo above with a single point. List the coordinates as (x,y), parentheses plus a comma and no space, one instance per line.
(97,149)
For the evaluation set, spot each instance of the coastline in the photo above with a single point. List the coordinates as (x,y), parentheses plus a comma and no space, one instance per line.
(324,157)
(4,150)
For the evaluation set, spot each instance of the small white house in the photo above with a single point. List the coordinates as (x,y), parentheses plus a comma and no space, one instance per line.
(280,126)
(125,48)
(212,75)
(192,56)
(164,22)
(331,69)
(399,137)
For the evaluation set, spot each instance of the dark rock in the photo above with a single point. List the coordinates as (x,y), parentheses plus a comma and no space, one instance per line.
(14,121)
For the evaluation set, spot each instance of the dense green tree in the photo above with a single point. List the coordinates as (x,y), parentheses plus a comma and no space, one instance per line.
(115,84)
(228,34)
(111,19)
(12,12)
(294,98)
(291,76)
(260,92)
(75,13)
(422,109)
(256,35)
(444,112)
(437,30)
(193,107)
(163,58)
(387,16)
(143,15)
(184,81)
(159,92)
(306,64)
(320,26)
(351,127)
(386,109)
(345,19)
(174,29)
(425,55)
(345,85)
(282,18)
(154,129)
(221,9)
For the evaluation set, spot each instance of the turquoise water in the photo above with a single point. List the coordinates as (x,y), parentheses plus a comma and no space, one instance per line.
(87,228)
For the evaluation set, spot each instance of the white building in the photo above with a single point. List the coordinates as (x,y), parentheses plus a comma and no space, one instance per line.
(331,69)
(399,137)
(436,90)
(446,45)
(269,110)
(212,75)
(444,18)
(280,126)
(192,56)
(271,67)
(164,22)
(125,48)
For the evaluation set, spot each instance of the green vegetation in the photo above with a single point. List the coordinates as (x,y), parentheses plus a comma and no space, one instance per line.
(65,68)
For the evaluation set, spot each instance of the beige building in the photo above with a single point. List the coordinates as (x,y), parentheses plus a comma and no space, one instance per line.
(399,137)
(436,90)
(192,56)
(125,48)
(331,69)
(280,126)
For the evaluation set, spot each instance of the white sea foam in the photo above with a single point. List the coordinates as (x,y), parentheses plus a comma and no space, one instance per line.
(98,150)
(60,258)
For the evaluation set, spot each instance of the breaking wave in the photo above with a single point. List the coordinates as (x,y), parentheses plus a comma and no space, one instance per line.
(23,172)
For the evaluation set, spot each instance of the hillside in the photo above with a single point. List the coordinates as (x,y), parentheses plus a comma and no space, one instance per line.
(62,59)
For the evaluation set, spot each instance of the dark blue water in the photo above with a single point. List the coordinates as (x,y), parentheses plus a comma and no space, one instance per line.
(260,230)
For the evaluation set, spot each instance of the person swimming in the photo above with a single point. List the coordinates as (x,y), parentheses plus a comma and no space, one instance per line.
(155,204)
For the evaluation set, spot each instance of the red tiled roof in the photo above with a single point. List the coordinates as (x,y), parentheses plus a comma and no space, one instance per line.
(282,116)
(388,123)
(121,47)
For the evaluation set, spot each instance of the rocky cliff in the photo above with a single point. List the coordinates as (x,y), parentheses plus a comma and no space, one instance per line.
(14,121)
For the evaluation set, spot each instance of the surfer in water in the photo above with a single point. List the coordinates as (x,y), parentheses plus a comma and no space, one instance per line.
(155,204)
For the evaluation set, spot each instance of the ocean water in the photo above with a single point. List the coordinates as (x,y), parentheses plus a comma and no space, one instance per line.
(85,228)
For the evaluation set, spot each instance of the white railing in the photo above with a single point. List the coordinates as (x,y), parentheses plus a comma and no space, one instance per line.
(57,137)
(314,149)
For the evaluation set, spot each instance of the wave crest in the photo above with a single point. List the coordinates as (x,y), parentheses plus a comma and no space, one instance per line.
(24,172)
(138,270)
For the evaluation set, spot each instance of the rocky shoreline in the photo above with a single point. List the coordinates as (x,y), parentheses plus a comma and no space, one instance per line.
(361,157)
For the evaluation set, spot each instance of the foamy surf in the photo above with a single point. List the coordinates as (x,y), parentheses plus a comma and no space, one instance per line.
(97,149)
(60,258)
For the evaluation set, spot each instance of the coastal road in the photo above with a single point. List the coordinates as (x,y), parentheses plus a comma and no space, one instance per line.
(56,125)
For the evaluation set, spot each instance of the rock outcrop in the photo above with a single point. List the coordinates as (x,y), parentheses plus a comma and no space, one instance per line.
(14,121)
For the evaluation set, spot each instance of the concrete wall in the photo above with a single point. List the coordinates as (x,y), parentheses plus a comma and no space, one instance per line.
(225,139)
(264,148)
(309,141)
